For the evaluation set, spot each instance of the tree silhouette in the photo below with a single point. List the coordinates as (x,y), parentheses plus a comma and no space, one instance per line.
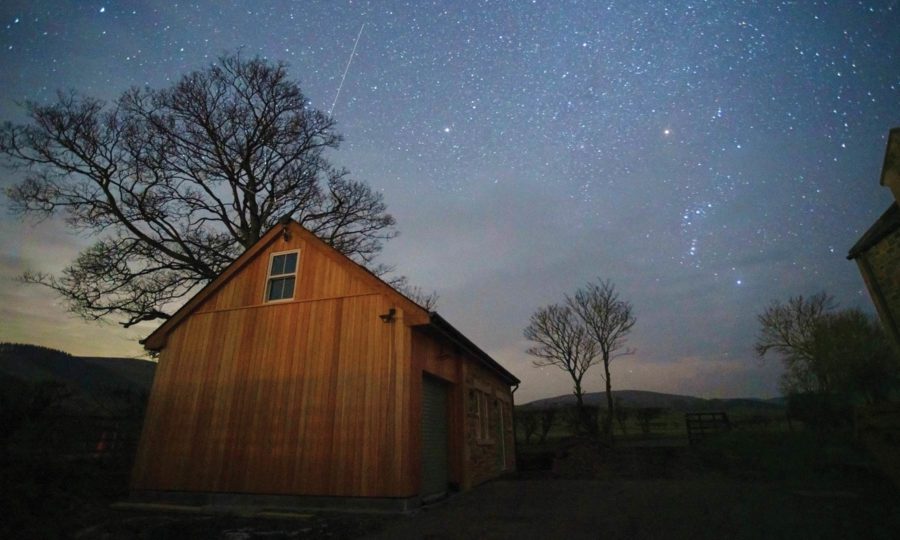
(562,341)
(855,356)
(788,329)
(589,329)
(176,183)
(828,351)
(622,414)
(608,321)
(528,420)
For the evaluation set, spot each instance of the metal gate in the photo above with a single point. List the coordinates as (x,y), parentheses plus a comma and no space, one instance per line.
(702,425)
(434,437)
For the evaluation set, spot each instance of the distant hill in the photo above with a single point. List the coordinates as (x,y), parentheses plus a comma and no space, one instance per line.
(675,402)
(90,378)
(138,372)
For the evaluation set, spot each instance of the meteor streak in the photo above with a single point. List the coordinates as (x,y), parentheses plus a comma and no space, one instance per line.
(346,69)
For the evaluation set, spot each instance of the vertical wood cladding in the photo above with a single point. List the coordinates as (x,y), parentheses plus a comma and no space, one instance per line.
(301,397)
(472,461)
(316,395)
(319,275)
(308,396)
(431,355)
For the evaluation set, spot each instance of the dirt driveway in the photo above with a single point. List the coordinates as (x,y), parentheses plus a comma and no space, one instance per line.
(796,486)
(547,508)
(696,508)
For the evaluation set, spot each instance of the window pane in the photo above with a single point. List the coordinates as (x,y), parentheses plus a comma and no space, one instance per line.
(275,288)
(277,265)
(281,288)
(288,291)
(290,263)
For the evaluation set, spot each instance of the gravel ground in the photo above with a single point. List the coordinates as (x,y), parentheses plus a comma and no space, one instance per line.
(699,508)
(136,525)
(627,493)
(539,505)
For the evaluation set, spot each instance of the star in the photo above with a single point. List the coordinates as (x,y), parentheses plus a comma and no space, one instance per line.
(559,148)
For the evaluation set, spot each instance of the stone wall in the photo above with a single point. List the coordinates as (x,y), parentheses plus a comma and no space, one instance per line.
(485,455)
(882,263)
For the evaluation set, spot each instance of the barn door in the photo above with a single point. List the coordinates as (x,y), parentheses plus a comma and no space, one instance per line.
(434,437)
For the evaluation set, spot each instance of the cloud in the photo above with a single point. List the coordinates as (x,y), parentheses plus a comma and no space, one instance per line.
(716,376)
(35,314)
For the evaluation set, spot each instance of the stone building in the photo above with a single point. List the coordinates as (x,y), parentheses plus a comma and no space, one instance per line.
(877,253)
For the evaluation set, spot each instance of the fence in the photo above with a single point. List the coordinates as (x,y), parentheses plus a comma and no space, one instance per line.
(701,425)
(76,437)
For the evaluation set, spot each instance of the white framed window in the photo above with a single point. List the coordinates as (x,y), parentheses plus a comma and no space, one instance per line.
(482,417)
(282,276)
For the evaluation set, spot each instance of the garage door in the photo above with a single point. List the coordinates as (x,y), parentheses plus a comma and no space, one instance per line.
(434,437)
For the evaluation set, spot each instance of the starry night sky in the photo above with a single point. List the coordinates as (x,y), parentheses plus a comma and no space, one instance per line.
(708,157)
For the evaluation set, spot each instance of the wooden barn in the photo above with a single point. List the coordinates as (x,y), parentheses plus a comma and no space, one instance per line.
(298,377)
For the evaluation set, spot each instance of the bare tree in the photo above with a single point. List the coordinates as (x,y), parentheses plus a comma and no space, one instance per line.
(562,341)
(608,321)
(622,414)
(789,329)
(826,351)
(528,420)
(548,418)
(427,300)
(646,415)
(854,356)
(176,183)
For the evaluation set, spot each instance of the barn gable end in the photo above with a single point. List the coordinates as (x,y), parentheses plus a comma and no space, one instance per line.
(320,394)
(322,273)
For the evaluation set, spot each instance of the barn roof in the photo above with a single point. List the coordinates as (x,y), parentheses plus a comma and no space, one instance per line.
(417,315)
(891,156)
(441,325)
(885,225)
(890,219)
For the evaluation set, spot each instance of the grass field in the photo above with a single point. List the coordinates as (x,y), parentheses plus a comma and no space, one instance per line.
(669,424)
(754,474)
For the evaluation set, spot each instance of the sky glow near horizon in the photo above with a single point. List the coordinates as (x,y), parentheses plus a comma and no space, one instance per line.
(708,157)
